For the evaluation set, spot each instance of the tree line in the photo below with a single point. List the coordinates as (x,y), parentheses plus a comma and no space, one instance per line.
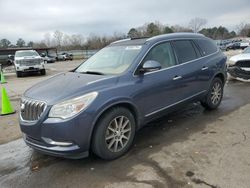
(63,41)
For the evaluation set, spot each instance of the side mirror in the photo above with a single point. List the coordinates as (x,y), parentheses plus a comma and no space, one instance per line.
(150,66)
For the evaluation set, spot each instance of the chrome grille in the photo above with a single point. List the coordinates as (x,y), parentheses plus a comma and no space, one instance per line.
(30,62)
(32,110)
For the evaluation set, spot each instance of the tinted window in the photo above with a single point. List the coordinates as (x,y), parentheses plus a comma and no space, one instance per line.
(197,51)
(184,50)
(163,54)
(207,46)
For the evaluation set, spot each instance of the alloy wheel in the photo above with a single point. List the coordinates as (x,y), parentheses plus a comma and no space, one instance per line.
(118,133)
(216,93)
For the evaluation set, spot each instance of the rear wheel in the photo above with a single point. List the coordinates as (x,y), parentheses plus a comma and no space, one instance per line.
(114,134)
(214,95)
(43,72)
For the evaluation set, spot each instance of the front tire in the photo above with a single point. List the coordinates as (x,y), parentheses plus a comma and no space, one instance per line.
(43,72)
(214,95)
(19,74)
(114,133)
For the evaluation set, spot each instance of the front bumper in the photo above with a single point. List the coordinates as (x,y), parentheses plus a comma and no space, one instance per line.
(57,151)
(61,138)
(237,72)
(29,68)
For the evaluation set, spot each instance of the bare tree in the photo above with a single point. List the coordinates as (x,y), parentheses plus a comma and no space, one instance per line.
(47,39)
(76,40)
(66,42)
(243,29)
(196,23)
(178,28)
(39,45)
(58,36)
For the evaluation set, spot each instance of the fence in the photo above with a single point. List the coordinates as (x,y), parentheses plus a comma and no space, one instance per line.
(81,54)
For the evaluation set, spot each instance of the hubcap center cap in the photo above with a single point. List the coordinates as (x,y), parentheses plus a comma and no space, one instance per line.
(118,133)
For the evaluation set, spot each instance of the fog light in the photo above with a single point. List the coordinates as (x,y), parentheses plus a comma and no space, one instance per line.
(52,142)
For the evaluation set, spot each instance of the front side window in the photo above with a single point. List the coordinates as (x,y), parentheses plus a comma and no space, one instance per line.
(184,50)
(163,54)
(111,60)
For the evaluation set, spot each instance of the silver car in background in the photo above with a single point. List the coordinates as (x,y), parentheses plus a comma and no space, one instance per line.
(28,61)
(239,66)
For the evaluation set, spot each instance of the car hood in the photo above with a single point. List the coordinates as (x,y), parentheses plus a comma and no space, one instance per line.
(68,85)
(28,57)
(240,57)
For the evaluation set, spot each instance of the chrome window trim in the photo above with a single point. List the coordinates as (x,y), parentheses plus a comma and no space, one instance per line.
(166,107)
(169,40)
(122,40)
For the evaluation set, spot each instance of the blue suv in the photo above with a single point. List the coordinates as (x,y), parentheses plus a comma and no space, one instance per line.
(101,104)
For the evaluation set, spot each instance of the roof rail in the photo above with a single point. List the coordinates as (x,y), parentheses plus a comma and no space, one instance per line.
(175,34)
(144,37)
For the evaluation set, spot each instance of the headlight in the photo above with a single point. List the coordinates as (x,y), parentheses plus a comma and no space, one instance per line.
(72,107)
(231,63)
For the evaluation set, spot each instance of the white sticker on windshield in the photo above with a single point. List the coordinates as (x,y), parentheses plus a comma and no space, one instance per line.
(133,47)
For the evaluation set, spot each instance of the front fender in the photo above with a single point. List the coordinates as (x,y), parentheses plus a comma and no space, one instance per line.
(114,102)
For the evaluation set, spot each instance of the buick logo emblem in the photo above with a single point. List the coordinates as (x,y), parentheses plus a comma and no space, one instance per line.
(22,107)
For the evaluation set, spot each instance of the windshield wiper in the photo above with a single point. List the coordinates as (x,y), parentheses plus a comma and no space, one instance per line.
(92,72)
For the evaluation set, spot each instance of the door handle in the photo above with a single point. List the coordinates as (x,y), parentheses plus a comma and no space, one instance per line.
(204,68)
(177,77)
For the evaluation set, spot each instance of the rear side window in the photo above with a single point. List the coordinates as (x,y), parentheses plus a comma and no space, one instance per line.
(163,54)
(184,50)
(207,46)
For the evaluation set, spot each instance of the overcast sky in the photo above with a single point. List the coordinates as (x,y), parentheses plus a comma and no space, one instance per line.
(31,19)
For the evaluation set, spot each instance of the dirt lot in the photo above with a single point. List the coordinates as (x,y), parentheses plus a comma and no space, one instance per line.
(189,148)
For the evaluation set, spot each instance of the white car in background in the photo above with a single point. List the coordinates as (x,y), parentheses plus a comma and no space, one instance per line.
(244,44)
(28,61)
(239,66)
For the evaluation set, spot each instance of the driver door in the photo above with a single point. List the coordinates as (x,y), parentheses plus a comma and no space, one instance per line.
(158,90)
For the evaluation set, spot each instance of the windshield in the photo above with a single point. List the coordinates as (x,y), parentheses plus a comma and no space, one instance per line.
(246,51)
(110,60)
(26,53)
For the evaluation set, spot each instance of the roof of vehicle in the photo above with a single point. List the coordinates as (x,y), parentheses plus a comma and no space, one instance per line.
(141,41)
(25,51)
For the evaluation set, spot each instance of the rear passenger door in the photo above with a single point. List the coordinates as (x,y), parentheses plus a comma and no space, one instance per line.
(189,68)
(208,61)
